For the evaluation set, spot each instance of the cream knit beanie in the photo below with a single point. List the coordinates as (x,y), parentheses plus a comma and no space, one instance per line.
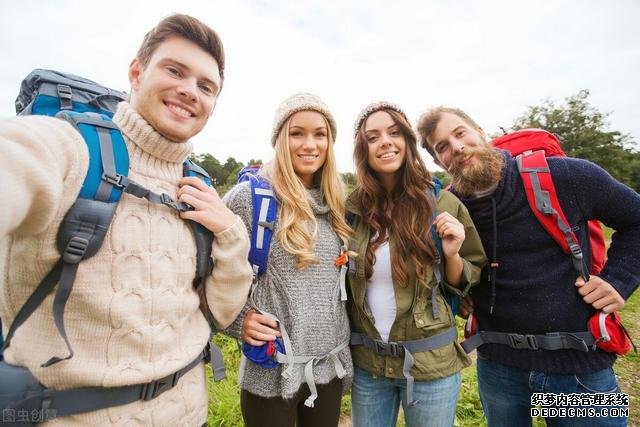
(302,101)
(372,108)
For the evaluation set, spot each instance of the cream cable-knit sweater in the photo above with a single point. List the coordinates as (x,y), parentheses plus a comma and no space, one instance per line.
(133,314)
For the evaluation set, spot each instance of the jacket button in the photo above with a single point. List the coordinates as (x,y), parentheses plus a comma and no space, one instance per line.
(390,370)
(420,322)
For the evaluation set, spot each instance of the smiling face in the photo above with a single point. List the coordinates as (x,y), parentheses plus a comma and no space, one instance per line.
(177,90)
(386,147)
(463,151)
(308,144)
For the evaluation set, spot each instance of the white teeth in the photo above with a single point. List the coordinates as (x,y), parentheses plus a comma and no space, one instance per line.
(180,111)
(387,155)
(307,157)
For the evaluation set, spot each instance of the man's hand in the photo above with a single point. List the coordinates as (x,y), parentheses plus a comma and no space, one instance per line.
(466,306)
(451,232)
(208,209)
(600,294)
(257,329)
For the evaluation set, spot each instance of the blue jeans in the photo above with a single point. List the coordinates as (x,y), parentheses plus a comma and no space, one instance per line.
(375,401)
(506,394)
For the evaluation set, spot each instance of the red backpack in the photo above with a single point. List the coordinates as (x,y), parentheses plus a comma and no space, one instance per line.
(531,148)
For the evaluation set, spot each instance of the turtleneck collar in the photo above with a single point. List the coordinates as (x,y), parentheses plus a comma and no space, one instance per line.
(316,201)
(146,139)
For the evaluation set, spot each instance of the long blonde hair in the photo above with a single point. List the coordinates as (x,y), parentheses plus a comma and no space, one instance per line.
(298,228)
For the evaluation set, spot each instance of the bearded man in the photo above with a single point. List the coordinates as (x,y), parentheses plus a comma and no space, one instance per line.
(530,289)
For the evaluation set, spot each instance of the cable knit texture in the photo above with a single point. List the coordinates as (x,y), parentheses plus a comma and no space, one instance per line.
(307,301)
(133,315)
(535,291)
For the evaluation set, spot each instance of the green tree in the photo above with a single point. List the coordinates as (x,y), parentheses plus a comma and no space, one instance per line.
(212,166)
(349,180)
(585,133)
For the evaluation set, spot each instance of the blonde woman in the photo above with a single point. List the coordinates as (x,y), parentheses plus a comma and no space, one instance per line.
(299,299)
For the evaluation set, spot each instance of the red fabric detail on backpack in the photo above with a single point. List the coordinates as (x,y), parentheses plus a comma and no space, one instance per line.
(524,140)
(271,348)
(470,326)
(609,333)
(530,140)
(598,246)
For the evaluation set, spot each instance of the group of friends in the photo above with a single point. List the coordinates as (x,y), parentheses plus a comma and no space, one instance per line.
(355,286)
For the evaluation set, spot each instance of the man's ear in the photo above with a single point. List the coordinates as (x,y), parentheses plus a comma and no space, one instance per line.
(135,70)
(484,135)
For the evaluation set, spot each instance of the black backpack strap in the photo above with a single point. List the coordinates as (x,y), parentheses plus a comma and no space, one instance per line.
(61,403)
(35,299)
(85,225)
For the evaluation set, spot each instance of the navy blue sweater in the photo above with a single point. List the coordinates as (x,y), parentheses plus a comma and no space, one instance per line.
(535,291)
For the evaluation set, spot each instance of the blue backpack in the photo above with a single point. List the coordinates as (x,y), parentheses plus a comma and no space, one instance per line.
(265,211)
(89,107)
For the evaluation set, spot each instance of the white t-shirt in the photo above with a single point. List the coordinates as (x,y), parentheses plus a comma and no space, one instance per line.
(381,297)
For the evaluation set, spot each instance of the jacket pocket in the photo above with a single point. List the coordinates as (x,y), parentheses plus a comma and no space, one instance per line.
(424,319)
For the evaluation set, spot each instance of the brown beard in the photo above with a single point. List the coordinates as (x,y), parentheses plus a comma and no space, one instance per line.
(481,175)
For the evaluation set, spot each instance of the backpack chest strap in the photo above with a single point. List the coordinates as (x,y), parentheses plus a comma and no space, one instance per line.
(406,349)
(581,341)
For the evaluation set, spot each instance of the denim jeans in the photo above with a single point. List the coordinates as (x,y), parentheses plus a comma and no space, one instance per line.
(506,394)
(375,401)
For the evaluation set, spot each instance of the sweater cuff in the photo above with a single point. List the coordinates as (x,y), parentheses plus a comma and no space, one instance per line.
(624,285)
(234,330)
(231,234)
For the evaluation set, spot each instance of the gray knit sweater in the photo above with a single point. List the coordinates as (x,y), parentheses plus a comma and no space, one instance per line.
(307,301)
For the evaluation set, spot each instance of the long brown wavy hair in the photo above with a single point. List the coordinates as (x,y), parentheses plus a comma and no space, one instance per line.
(406,211)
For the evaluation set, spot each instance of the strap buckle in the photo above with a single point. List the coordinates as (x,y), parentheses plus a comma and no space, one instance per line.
(75,250)
(151,390)
(392,349)
(576,251)
(522,342)
(65,94)
(114,180)
(167,200)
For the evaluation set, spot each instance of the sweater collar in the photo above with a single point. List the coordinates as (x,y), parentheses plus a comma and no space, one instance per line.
(146,139)
(316,201)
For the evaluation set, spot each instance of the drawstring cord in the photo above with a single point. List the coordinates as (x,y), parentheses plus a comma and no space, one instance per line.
(494,262)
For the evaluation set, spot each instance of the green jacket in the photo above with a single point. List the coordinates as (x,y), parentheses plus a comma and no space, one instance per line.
(414,318)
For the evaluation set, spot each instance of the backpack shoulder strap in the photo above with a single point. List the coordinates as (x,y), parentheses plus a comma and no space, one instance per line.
(543,200)
(438,267)
(203,236)
(265,209)
(85,225)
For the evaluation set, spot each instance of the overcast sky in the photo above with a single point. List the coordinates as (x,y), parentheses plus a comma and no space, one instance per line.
(491,58)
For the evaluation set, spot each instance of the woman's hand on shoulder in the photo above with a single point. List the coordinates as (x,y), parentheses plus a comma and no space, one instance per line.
(451,232)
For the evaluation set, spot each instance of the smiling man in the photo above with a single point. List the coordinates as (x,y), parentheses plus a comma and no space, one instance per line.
(133,316)
(534,291)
